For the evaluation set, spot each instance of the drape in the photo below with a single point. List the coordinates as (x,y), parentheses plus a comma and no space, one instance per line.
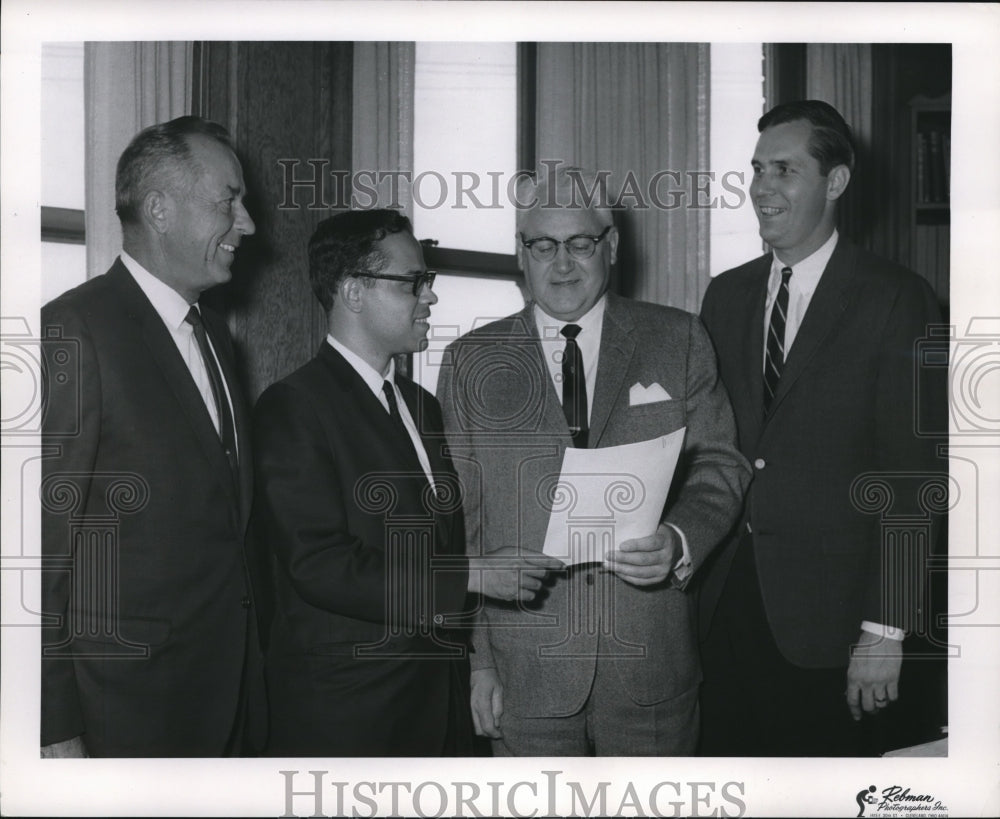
(841,74)
(127,87)
(640,111)
(383,116)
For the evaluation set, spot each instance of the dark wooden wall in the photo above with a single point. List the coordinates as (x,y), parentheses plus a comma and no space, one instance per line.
(280,101)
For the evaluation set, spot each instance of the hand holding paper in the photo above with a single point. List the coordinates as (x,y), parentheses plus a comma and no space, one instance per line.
(604,498)
(646,561)
(506,574)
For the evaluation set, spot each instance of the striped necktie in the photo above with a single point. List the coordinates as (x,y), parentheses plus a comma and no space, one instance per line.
(774,357)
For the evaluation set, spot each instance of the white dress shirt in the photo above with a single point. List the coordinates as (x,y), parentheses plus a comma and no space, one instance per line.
(173,308)
(374,380)
(801,286)
(589,342)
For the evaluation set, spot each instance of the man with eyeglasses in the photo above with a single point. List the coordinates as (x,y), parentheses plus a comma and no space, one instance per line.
(605,662)
(359,504)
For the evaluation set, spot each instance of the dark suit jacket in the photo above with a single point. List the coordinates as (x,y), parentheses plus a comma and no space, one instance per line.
(357,662)
(508,432)
(146,648)
(846,405)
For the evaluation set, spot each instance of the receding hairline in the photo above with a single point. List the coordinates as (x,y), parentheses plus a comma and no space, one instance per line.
(552,185)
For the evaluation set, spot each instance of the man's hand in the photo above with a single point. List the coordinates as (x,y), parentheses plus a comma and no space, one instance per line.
(507,575)
(487,702)
(646,561)
(873,675)
(67,749)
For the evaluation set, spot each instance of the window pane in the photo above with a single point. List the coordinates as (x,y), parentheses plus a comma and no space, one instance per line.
(737,101)
(464,303)
(63,266)
(62,125)
(465,144)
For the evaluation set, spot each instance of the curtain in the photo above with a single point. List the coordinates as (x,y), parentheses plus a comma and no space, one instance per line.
(383,116)
(127,87)
(640,111)
(841,74)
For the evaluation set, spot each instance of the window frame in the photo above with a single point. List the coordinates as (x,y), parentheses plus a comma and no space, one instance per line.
(476,263)
(63,225)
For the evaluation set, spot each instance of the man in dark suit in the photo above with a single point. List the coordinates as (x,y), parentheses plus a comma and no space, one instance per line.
(151,642)
(606,661)
(359,503)
(816,346)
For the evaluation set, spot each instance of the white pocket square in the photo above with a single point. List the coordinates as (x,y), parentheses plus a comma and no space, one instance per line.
(639,394)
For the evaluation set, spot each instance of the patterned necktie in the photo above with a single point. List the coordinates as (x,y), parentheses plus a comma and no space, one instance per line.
(227,431)
(574,385)
(774,357)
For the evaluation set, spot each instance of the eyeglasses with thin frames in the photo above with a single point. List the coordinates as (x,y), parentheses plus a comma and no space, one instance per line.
(581,246)
(418,281)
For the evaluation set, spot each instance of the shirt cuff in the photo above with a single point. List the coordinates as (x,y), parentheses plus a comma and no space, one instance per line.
(889,632)
(682,568)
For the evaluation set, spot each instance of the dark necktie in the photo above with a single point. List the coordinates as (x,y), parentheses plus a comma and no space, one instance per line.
(774,356)
(574,384)
(390,397)
(227,432)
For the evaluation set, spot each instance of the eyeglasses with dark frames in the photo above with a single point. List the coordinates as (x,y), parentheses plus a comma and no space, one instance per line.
(581,246)
(418,281)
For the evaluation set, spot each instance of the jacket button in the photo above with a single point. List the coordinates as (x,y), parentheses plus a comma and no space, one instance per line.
(590,578)
(749,528)
(245,602)
(759,463)
(439,619)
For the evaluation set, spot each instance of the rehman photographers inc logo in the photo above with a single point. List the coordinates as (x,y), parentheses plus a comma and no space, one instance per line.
(895,800)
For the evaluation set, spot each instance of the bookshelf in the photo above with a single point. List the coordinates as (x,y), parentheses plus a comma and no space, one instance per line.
(929,189)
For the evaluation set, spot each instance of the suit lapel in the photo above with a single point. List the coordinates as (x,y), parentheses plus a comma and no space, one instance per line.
(614,357)
(165,355)
(445,478)
(375,418)
(752,331)
(553,420)
(370,408)
(215,327)
(823,315)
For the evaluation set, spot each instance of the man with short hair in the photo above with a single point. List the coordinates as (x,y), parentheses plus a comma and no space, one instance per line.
(605,660)
(816,346)
(359,503)
(146,493)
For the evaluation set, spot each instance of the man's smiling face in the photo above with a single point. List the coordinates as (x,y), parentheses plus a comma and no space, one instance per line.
(795,203)
(566,287)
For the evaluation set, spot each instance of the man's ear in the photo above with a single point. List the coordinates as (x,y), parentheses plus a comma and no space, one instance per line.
(612,240)
(158,210)
(352,293)
(519,252)
(836,182)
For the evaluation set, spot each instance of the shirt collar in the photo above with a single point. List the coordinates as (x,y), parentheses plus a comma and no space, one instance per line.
(808,272)
(589,322)
(372,377)
(171,305)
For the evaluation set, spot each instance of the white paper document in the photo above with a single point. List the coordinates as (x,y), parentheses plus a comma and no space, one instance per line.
(603,497)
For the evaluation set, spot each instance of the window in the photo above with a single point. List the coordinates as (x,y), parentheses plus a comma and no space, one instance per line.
(464,156)
(64,255)
(737,102)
